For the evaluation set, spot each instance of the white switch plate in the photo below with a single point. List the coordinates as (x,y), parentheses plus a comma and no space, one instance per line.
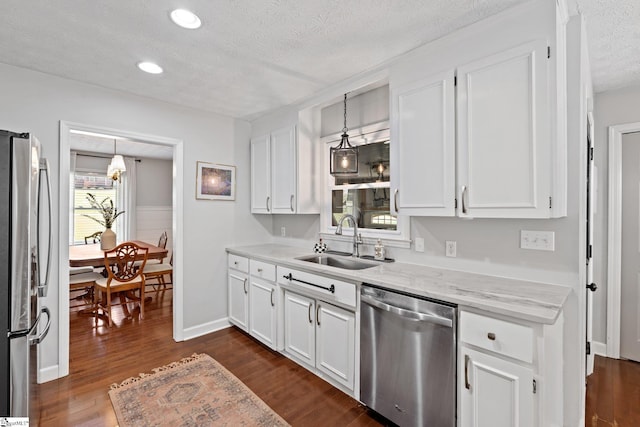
(537,240)
(450,248)
(419,244)
(283,231)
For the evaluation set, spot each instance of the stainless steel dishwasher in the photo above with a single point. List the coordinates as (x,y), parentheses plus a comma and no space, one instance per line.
(408,358)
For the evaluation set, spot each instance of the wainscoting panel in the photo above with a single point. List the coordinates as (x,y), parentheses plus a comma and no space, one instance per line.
(151,221)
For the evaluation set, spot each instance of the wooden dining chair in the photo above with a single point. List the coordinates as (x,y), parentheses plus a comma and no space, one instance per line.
(83,281)
(95,237)
(122,279)
(158,271)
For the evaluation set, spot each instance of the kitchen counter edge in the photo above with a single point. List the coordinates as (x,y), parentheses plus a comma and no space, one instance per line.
(531,301)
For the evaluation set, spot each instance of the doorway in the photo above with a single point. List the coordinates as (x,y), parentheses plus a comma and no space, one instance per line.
(622,296)
(64,220)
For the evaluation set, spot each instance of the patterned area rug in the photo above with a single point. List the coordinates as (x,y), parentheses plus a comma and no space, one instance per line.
(196,391)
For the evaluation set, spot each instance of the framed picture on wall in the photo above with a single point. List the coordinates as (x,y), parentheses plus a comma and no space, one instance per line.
(215,181)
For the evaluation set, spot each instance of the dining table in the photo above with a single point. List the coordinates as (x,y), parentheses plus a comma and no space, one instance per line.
(92,256)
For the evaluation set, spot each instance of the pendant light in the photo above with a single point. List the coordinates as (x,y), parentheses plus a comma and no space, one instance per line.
(116,167)
(344,157)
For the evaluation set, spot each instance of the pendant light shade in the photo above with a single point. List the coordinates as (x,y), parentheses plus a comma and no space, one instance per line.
(344,157)
(117,166)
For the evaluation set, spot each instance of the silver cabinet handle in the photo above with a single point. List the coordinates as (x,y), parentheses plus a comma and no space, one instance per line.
(244,286)
(271,296)
(291,203)
(395,200)
(409,314)
(268,200)
(310,321)
(318,314)
(467,385)
(464,197)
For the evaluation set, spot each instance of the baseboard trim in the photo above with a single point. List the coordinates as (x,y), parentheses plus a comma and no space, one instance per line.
(205,328)
(47,374)
(599,348)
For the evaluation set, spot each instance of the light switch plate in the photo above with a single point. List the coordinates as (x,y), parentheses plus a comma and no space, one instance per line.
(537,240)
(419,244)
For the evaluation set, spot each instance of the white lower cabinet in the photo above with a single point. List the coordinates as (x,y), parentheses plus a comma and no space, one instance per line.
(238,289)
(509,372)
(263,311)
(299,327)
(321,336)
(495,392)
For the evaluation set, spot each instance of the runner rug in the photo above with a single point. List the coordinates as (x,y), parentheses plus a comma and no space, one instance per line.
(196,391)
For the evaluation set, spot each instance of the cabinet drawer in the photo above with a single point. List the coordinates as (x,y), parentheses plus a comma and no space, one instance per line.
(328,289)
(238,263)
(509,339)
(262,270)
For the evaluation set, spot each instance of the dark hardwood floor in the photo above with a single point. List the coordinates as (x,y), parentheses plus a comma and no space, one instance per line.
(101,356)
(613,394)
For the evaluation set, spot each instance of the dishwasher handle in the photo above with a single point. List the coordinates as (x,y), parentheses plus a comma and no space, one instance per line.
(409,314)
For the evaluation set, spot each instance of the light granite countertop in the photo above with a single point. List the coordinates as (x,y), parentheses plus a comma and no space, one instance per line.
(532,301)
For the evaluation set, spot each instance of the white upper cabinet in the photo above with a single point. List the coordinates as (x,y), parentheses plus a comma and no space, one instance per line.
(283,170)
(504,158)
(285,176)
(423,125)
(478,120)
(261,174)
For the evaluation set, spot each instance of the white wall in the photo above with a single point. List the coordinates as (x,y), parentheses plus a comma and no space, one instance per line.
(613,107)
(36,102)
(154,182)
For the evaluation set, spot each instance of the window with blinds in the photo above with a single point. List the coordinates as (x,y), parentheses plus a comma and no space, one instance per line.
(83,184)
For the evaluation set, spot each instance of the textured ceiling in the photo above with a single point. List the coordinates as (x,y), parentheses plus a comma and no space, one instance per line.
(613,33)
(252,56)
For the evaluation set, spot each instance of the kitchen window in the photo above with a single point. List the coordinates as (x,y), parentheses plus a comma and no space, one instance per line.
(367,196)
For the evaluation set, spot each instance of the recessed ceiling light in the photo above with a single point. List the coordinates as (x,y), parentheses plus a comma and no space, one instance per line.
(186,19)
(150,67)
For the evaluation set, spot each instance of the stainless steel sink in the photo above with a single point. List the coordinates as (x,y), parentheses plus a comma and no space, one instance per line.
(339,262)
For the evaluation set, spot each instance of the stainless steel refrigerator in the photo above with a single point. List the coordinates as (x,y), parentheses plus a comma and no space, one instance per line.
(23,278)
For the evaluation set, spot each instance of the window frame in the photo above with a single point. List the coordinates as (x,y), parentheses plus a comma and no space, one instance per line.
(393,238)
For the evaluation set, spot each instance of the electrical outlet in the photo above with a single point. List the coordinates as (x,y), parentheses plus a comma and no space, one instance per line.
(450,248)
(537,240)
(283,231)
(419,244)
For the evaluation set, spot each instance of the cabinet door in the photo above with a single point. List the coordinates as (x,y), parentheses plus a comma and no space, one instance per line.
(262,313)
(504,137)
(283,170)
(335,340)
(423,149)
(238,289)
(299,328)
(494,392)
(261,175)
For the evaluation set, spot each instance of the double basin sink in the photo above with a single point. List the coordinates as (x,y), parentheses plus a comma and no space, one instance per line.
(346,263)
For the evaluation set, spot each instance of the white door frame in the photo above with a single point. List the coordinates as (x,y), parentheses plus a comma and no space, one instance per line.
(614,231)
(63,244)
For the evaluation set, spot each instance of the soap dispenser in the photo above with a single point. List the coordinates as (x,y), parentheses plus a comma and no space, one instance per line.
(378,251)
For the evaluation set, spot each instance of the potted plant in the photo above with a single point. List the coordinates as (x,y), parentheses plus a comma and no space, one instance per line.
(109,214)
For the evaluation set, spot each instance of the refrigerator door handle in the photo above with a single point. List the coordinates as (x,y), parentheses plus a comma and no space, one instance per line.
(45,331)
(44,286)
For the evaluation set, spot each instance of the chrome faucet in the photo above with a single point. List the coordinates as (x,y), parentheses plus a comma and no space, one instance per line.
(356,238)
